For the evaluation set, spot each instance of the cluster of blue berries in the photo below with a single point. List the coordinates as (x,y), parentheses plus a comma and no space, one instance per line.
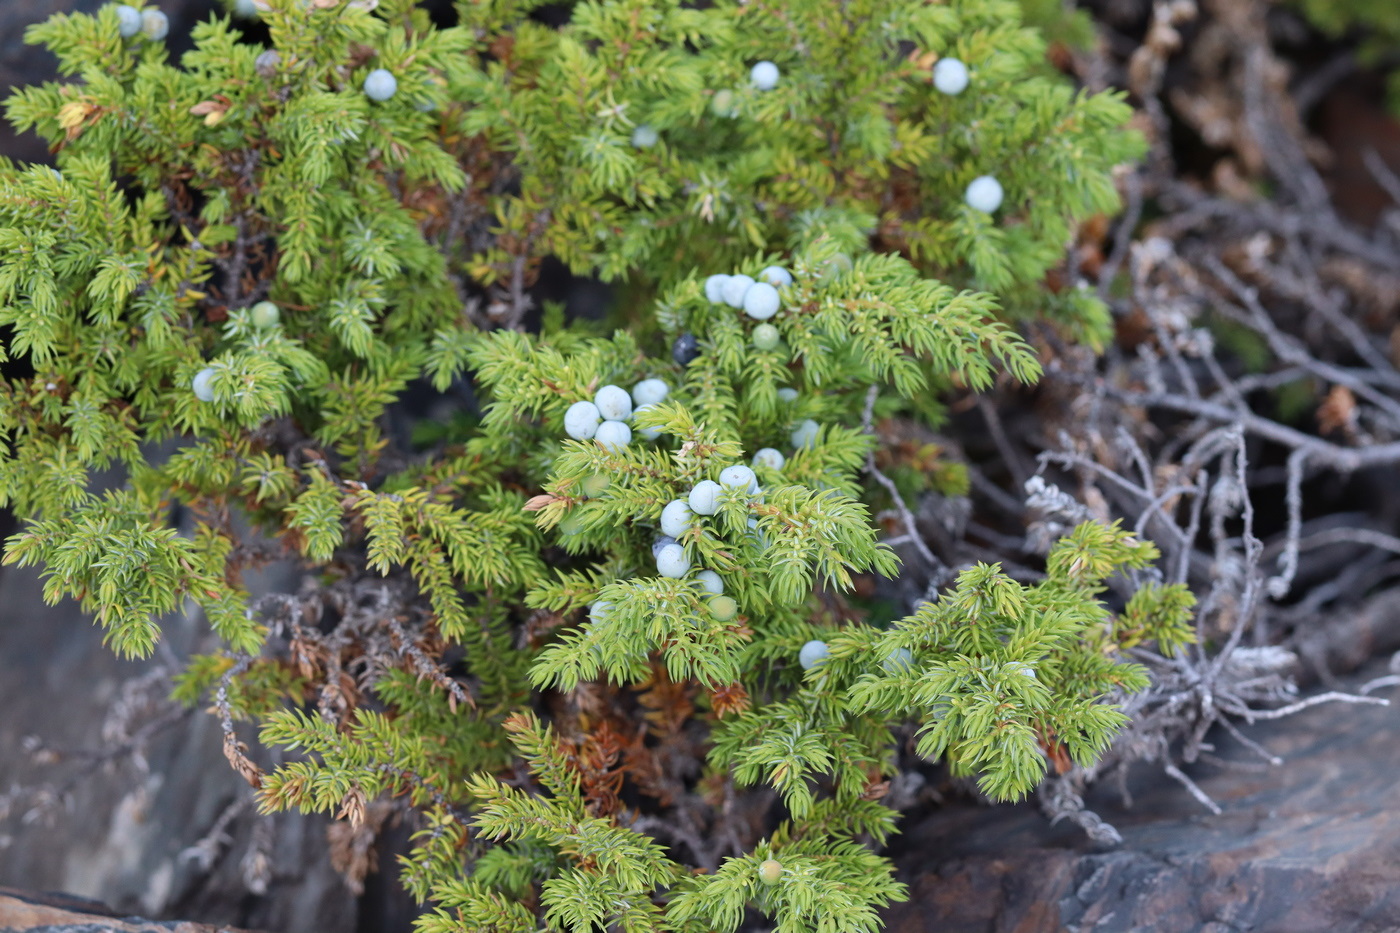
(605,418)
(151,23)
(758,298)
(984,193)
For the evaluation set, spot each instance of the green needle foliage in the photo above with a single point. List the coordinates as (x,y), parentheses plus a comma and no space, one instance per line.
(398,239)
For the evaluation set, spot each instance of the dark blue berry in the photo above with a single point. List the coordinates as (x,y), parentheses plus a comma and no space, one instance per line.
(685,349)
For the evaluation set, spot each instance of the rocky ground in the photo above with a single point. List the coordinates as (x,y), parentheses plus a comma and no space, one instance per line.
(1270,200)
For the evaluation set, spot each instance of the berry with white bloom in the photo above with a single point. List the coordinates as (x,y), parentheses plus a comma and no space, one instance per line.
(613,402)
(128,21)
(769,457)
(812,654)
(770,871)
(984,194)
(650,392)
(776,276)
(765,337)
(644,137)
(264,314)
(246,9)
(672,562)
(660,542)
(614,435)
(714,287)
(704,498)
(1028,671)
(381,85)
(787,394)
(599,611)
(675,518)
(581,421)
(155,25)
(898,661)
(805,434)
(201,385)
(723,608)
(761,301)
(650,434)
(950,76)
(764,76)
(710,582)
(735,290)
(685,349)
(267,62)
(738,476)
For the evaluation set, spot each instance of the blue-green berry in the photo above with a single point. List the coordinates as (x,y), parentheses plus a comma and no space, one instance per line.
(613,402)
(984,194)
(671,561)
(761,301)
(769,458)
(203,389)
(787,394)
(805,434)
(660,542)
(704,497)
(736,288)
(128,21)
(581,421)
(264,314)
(675,518)
(710,582)
(738,476)
(155,25)
(613,435)
(723,104)
(644,137)
(776,276)
(950,76)
(898,661)
(723,608)
(650,434)
(766,337)
(764,76)
(380,84)
(812,654)
(650,392)
(714,287)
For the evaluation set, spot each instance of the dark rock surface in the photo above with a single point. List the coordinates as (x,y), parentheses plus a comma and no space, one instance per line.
(1311,845)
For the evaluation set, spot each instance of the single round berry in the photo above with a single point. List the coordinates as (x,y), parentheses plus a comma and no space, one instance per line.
(710,582)
(769,457)
(761,301)
(264,314)
(704,498)
(599,611)
(201,385)
(1028,671)
(128,21)
(650,434)
(595,485)
(776,276)
(764,76)
(660,542)
(723,104)
(685,349)
(723,608)
(759,538)
(805,434)
(950,76)
(155,25)
(571,524)
(770,871)
(787,394)
(613,402)
(835,267)
(735,290)
(714,287)
(613,435)
(675,518)
(245,8)
(644,137)
(380,85)
(581,421)
(672,562)
(766,337)
(267,62)
(812,654)
(898,661)
(737,476)
(984,194)
(650,392)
